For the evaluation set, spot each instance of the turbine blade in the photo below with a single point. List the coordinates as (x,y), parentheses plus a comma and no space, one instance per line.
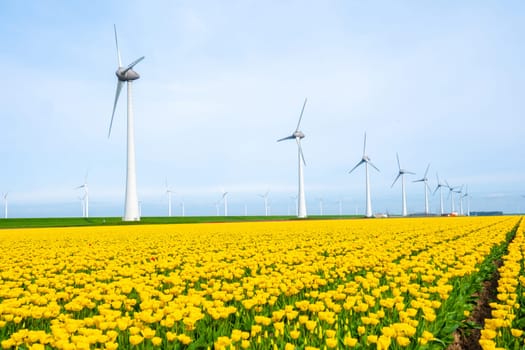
(420,180)
(364,146)
(373,166)
(398,163)
(116,43)
(426,171)
(409,172)
(301,115)
(397,177)
(286,138)
(117,94)
(132,64)
(437,178)
(358,164)
(437,188)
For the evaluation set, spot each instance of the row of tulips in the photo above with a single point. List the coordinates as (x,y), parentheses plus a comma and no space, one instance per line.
(504,330)
(384,284)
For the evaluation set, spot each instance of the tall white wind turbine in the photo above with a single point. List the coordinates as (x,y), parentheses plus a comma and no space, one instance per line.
(85,197)
(424,179)
(401,174)
(127,74)
(439,187)
(5,205)
(298,135)
(265,197)
(366,161)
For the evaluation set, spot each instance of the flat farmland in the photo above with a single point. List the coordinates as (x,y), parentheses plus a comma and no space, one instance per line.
(316,284)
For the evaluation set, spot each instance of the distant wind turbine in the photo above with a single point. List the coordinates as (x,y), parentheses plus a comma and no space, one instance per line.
(401,174)
(298,135)
(460,199)
(424,179)
(225,201)
(168,192)
(321,206)
(265,197)
(85,198)
(439,187)
(182,207)
(5,205)
(366,161)
(451,195)
(467,198)
(127,74)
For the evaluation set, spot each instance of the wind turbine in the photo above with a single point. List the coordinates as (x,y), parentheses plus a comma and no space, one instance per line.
(320,206)
(85,198)
(217,207)
(182,207)
(225,200)
(401,174)
(298,135)
(451,195)
(366,161)
(467,196)
(168,192)
(424,179)
(460,199)
(127,74)
(265,197)
(438,187)
(5,205)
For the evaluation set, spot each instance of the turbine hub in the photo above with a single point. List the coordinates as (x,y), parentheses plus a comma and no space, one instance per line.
(127,75)
(298,134)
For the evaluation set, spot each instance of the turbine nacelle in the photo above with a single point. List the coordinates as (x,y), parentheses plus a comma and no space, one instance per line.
(126,74)
(298,134)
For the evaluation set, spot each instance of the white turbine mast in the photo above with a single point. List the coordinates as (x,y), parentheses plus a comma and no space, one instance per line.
(321,211)
(5,204)
(265,198)
(169,192)
(366,161)
(439,187)
(424,179)
(225,201)
(182,207)
(451,191)
(401,174)
(460,199)
(85,197)
(467,198)
(127,74)
(298,135)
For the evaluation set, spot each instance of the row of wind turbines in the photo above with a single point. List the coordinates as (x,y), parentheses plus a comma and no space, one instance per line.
(126,74)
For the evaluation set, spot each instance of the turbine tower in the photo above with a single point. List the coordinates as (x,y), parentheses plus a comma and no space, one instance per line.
(366,161)
(168,192)
(467,197)
(5,205)
(438,187)
(401,174)
(85,198)
(460,199)
(451,195)
(225,200)
(127,74)
(265,197)
(424,179)
(298,135)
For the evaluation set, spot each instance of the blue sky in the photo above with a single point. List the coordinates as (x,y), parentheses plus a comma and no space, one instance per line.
(439,82)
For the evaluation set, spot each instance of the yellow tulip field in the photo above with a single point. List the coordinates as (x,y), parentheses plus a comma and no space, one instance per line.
(330,284)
